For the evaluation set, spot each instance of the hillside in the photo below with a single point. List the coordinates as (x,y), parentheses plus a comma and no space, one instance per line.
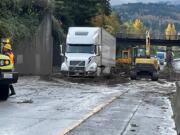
(154,15)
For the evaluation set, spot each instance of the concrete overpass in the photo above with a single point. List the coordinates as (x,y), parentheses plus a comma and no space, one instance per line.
(140,39)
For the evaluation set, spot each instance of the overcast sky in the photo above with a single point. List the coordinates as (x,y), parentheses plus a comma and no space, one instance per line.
(116,2)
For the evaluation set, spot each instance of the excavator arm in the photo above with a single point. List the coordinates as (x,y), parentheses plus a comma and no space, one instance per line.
(148,44)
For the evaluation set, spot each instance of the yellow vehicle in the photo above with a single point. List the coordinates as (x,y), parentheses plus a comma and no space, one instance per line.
(7,74)
(126,57)
(143,63)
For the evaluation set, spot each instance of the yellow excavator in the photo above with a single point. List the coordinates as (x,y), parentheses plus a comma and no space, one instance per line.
(142,64)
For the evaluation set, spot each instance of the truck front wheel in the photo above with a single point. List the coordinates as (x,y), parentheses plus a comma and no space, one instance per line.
(133,75)
(4,92)
(154,76)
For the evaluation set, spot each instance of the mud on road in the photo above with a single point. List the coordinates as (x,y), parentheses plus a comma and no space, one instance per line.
(106,80)
(61,103)
(144,109)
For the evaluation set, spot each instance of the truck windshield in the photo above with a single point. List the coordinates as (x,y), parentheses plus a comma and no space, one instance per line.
(80,48)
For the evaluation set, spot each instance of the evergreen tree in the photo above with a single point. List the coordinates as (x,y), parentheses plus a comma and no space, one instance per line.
(80,12)
(104,7)
(20,18)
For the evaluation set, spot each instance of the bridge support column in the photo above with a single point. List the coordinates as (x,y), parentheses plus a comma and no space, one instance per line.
(169,56)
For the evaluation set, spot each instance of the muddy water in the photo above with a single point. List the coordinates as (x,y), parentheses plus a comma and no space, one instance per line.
(61,103)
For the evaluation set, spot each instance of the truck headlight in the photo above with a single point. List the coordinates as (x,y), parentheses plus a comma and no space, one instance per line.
(92,67)
(64,67)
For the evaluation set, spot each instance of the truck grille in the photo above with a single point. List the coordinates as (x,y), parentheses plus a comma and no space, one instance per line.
(77,63)
(76,69)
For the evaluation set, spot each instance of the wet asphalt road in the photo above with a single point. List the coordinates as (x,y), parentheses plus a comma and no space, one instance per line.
(143,110)
(49,108)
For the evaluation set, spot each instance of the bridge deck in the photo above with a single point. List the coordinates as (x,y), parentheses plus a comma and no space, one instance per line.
(158,40)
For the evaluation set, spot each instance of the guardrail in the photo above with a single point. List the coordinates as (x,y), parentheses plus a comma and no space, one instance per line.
(177,107)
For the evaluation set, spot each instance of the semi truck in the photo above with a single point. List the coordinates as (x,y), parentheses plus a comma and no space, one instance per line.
(90,51)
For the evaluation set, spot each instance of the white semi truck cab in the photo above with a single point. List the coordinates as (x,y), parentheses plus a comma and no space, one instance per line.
(90,51)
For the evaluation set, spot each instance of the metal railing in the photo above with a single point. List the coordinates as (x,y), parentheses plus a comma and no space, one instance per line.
(143,36)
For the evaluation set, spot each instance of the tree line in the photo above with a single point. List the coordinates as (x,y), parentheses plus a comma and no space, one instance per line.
(86,13)
(20,18)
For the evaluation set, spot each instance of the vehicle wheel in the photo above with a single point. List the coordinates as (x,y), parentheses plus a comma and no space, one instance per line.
(154,76)
(113,71)
(133,75)
(4,92)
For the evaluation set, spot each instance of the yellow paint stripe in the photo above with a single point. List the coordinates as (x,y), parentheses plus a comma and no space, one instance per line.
(90,114)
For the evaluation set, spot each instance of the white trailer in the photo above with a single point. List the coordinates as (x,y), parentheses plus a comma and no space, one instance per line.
(90,51)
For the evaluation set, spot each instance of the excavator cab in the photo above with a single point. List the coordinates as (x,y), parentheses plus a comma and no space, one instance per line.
(125,57)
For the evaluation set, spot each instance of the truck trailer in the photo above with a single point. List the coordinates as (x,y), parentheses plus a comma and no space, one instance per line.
(90,51)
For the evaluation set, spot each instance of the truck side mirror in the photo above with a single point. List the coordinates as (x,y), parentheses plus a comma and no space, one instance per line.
(61,50)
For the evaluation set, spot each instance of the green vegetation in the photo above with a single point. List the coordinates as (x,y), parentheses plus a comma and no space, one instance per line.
(79,12)
(135,27)
(20,18)
(155,16)
(110,22)
(69,13)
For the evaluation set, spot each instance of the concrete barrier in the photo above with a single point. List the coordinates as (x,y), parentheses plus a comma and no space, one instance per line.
(34,56)
(177,107)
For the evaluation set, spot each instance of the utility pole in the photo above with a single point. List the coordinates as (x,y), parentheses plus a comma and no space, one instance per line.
(102,13)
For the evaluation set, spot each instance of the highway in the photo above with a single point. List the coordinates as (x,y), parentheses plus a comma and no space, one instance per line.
(57,107)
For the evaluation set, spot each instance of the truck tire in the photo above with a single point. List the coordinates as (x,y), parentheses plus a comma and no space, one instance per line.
(112,71)
(133,75)
(155,76)
(4,92)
